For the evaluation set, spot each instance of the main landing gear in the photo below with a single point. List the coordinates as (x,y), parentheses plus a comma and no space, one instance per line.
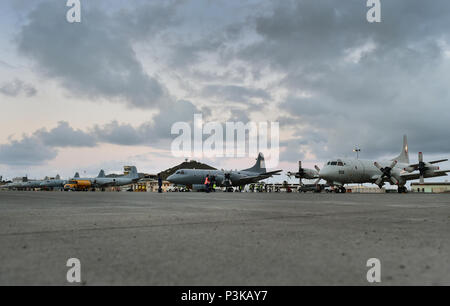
(340,190)
(402,189)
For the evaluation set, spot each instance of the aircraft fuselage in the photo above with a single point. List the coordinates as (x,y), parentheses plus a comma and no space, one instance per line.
(198,176)
(356,171)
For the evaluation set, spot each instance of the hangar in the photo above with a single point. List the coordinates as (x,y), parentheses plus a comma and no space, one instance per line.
(436,187)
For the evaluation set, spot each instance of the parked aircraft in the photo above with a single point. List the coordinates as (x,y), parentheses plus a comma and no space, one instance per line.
(397,171)
(101,181)
(57,182)
(31,184)
(24,184)
(7,186)
(222,178)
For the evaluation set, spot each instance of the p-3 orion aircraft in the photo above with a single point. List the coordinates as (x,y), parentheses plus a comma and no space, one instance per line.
(195,178)
(397,171)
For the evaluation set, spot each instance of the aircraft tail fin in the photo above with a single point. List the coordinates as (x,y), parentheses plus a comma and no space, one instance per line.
(260,166)
(77,175)
(101,173)
(57,177)
(132,172)
(404,156)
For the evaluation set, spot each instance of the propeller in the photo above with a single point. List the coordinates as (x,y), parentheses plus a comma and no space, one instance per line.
(305,173)
(422,168)
(227,179)
(386,173)
(300,173)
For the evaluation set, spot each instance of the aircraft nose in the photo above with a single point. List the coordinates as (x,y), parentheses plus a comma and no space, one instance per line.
(172,178)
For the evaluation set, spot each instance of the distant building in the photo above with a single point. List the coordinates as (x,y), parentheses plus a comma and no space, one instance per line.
(150,185)
(438,187)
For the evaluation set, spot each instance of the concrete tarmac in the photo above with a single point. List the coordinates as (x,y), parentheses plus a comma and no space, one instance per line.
(224,238)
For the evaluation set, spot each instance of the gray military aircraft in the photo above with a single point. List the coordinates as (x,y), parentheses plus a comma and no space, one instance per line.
(57,182)
(23,185)
(397,171)
(31,184)
(101,181)
(8,185)
(130,178)
(196,177)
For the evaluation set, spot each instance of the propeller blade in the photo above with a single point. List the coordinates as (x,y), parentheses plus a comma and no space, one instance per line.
(420,157)
(422,180)
(394,180)
(317,168)
(299,165)
(393,164)
(317,181)
(378,165)
(379,180)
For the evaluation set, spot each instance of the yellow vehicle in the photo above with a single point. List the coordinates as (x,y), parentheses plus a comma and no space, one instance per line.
(78,185)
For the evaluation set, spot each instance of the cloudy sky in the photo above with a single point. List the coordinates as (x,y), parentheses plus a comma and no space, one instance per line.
(105,92)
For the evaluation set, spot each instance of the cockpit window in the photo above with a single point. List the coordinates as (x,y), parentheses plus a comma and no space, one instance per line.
(340,164)
(333,163)
(329,163)
(180,172)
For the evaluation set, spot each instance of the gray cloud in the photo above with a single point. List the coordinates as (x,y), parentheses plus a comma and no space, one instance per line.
(65,136)
(121,134)
(95,58)
(235,93)
(348,82)
(149,133)
(47,141)
(239,115)
(26,152)
(365,84)
(16,88)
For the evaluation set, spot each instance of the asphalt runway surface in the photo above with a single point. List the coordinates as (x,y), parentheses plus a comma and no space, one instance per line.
(224,238)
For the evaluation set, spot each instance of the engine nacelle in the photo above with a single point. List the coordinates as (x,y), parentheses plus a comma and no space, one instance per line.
(308,174)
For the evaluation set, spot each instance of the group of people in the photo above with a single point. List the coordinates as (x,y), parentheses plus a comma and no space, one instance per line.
(210,183)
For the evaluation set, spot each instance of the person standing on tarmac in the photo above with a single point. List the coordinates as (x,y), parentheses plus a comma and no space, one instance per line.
(212,184)
(159,183)
(207,182)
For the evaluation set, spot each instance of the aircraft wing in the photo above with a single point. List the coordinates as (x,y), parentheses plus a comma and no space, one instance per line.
(438,161)
(416,166)
(256,178)
(415,176)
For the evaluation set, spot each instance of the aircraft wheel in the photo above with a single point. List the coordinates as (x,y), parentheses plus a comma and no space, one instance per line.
(402,189)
